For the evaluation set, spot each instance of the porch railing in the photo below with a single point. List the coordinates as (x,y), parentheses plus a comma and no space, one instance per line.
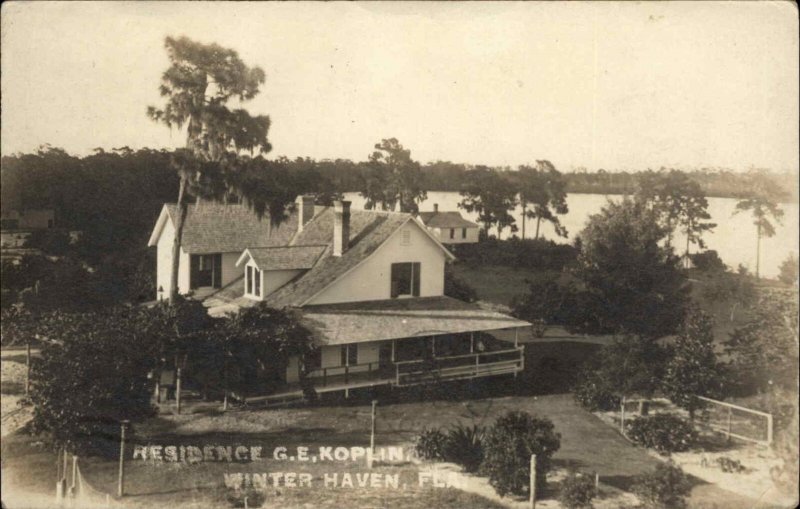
(459,366)
(346,374)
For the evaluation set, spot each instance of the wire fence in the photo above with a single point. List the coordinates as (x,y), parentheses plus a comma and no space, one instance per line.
(76,491)
(731,420)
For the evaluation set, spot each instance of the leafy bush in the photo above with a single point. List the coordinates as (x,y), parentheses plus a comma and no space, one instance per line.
(508,447)
(536,254)
(665,487)
(431,444)
(665,433)
(789,270)
(708,261)
(730,465)
(577,492)
(593,393)
(464,446)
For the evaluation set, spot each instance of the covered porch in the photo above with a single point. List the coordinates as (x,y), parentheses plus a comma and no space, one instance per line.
(405,342)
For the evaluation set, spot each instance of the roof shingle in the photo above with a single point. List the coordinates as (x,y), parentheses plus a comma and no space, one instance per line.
(451,219)
(226,228)
(286,257)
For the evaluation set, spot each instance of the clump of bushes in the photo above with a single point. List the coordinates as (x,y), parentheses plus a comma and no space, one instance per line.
(665,433)
(461,444)
(508,447)
(577,492)
(430,444)
(464,446)
(665,487)
(730,465)
(594,393)
(458,288)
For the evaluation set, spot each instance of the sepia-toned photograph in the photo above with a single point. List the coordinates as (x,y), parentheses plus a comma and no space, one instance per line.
(413,255)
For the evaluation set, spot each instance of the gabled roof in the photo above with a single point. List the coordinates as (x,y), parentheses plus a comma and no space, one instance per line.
(368,231)
(283,258)
(224,228)
(445,220)
(355,322)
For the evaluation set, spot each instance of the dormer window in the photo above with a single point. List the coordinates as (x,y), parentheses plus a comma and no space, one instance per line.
(253,281)
(405,279)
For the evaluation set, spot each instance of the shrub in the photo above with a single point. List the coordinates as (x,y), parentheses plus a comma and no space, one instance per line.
(431,444)
(458,288)
(665,433)
(577,492)
(729,465)
(254,497)
(464,446)
(508,447)
(665,487)
(593,393)
(708,261)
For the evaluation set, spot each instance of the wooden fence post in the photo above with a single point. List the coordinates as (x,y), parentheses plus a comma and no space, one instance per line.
(74,475)
(178,390)
(533,481)
(372,434)
(27,368)
(622,416)
(730,417)
(121,479)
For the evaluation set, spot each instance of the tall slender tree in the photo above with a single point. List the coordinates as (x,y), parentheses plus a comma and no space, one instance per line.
(544,189)
(492,195)
(762,197)
(679,202)
(197,86)
(391,177)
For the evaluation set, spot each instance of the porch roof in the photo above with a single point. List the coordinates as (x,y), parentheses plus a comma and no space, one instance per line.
(357,322)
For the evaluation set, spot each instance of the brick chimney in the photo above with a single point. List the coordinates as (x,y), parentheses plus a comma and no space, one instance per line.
(436,207)
(305,210)
(341,227)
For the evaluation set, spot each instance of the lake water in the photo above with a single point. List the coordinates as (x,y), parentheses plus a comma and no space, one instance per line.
(734,238)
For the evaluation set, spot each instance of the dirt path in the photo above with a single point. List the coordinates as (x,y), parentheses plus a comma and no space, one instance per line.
(12,385)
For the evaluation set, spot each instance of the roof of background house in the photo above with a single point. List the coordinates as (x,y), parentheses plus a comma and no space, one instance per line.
(368,231)
(284,258)
(226,228)
(400,318)
(445,220)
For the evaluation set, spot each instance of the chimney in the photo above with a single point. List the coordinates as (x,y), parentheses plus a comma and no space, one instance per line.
(436,207)
(305,210)
(341,227)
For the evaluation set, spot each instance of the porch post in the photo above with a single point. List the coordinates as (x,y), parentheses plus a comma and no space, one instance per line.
(516,337)
(433,346)
(393,358)
(471,342)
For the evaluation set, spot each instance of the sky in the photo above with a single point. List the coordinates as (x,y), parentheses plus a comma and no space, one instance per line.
(595,84)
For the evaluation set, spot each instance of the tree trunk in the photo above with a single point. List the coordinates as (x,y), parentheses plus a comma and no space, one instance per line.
(176,245)
(686,262)
(538,222)
(758,250)
(524,210)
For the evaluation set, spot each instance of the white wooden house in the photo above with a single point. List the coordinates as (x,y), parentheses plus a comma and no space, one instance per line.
(368,284)
(450,227)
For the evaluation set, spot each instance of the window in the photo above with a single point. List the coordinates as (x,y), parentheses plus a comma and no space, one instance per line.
(405,238)
(452,233)
(205,270)
(253,281)
(463,233)
(405,279)
(349,355)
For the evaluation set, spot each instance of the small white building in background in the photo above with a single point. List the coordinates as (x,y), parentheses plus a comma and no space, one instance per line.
(449,227)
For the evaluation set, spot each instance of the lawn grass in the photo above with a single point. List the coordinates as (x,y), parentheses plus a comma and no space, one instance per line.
(497,284)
